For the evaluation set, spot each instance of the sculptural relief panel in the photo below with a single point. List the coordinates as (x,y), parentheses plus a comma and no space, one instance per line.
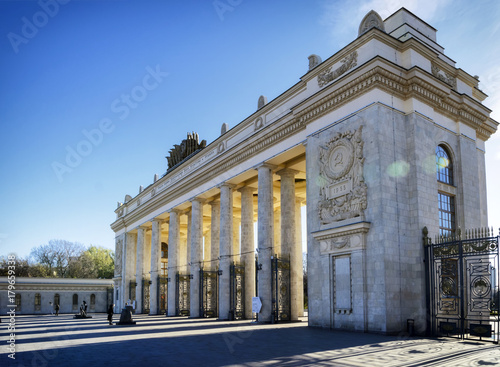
(343,192)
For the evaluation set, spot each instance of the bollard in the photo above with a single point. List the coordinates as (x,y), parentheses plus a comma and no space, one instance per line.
(410,327)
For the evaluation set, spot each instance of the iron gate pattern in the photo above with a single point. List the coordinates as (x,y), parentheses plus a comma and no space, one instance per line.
(209,293)
(280,289)
(162,294)
(182,288)
(462,285)
(145,295)
(237,292)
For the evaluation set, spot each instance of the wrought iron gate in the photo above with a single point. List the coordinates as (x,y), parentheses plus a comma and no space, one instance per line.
(209,293)
(280,289)
(162,294)
(145,295)
(462,285)
(182,288)
(237,292)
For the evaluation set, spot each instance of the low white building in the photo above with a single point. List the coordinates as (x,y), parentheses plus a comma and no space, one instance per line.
(39,295)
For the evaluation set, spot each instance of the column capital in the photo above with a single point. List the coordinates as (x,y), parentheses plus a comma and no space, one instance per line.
(246,189)
(198,199)
(142,226)
(225,184)
(214,202)
(287,172)
(159,220)
(272,167)
(176,211)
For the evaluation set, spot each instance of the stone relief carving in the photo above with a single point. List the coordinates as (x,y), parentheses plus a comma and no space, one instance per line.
(444,76)
(118,257)
(348,62)
(188,146)
(371,20)
(343,192)
(259,123)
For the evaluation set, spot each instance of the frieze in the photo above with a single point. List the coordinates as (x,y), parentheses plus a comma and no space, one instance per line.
(328,75)
(343,193)
(444,76)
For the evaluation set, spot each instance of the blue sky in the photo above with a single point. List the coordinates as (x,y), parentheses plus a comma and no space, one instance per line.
(122,81)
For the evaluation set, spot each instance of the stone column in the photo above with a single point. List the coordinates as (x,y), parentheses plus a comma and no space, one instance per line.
(188,243)
(139,267)
(207,246)
(129,251)
(226,242)
(248,247)
(196,255)
(236,240)
(277,233)
(265,239)
(155,266)
(215,232)
(288,233)
(299,265)
(174,236)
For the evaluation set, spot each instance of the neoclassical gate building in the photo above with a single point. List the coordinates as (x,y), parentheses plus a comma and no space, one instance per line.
(383,138)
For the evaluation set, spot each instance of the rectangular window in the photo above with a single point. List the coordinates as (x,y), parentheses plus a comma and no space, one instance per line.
(446,215)
(38,302)
(164,269)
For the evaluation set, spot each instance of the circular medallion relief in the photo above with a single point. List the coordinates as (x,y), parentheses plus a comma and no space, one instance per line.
(340,159)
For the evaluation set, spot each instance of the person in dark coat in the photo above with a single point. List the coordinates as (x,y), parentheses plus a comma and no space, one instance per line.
(110,314)
(57,309)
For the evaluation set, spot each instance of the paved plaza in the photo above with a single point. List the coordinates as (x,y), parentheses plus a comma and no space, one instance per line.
(159,341)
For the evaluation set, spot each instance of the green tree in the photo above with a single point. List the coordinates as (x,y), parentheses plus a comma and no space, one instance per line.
(95,262)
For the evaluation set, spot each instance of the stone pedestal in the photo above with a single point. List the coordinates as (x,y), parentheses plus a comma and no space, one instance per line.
(126,317)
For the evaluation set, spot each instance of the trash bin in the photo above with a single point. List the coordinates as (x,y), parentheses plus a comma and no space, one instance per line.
(410,327)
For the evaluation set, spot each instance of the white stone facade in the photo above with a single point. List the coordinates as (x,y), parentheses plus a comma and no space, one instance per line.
(354,140)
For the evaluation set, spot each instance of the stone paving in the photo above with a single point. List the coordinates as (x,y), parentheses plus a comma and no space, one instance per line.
(159,341)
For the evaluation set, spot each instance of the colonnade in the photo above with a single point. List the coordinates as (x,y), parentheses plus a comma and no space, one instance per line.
(223,236)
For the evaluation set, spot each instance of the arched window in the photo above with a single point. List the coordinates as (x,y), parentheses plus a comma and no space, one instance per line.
(18,300)
(444,165)
(92,300)
(57,299)
(38,301)
(446,198)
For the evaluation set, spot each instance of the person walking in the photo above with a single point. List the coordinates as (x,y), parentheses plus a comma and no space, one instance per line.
(57,309)
(51,308)
(110,314)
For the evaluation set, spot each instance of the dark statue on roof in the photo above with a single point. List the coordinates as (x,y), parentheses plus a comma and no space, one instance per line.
(188,146)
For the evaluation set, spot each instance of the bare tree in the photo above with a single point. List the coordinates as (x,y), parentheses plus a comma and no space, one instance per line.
(57,256)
